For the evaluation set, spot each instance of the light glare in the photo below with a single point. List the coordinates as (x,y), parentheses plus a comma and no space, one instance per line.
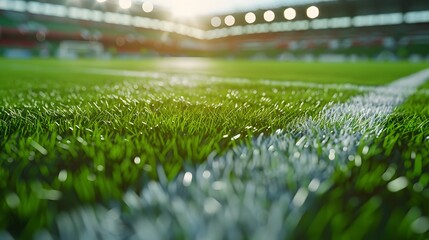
(187,8)
(101,1)
(250,17)
(312,12)
(290,14)
(269,16)
(125,4)
(216,21)
(147,6)
(229,20)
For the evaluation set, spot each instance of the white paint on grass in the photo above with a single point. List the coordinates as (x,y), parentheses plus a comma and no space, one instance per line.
(196,79)
(253,192)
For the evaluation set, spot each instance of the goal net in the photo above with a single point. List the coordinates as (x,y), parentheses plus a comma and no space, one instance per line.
(79,49)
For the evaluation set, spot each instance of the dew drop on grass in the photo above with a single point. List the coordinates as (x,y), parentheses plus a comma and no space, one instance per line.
(397,184)
(218,185)
(100,168)
(206,174)
(31,156)
(314,185)
(418,187)
(390,172)
(358,161)
(211,206)
(12,200)
(62,176)
(39,148)
(187,179)
(91,177)
(300,141)
(82,141)
(300,197)
(147,168)
(331,154)
(235,137)
(137,160)
(365,150)
(420,225)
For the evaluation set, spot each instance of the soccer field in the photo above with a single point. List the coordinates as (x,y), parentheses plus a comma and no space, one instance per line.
(208,149)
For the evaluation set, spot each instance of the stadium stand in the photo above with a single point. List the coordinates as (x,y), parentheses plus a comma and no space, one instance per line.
(341,30)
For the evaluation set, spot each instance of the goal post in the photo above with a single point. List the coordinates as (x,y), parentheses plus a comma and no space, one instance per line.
(80,49)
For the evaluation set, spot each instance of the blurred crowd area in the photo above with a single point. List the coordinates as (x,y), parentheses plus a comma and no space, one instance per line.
(24,34)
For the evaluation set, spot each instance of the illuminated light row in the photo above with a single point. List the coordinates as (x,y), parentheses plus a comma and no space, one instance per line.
(147,6)
(125,4)
(328,23)
(167,26)
(269,16)
(99,16)
(289,13)
(58,10)
(250,17)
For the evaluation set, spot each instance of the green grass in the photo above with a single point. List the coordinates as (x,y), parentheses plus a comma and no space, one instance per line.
(70,138)
(360,73)
(361,205)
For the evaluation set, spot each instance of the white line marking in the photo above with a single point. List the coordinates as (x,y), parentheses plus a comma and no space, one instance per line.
(193,79)
(257,192)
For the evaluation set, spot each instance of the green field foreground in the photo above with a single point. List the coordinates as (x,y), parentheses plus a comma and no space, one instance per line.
(70,137)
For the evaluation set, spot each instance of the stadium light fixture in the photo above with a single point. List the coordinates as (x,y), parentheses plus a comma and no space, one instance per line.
(250,17)
(147,6)
(125,4)
(229,20)
(216,21)
(312,12)
(289,13)
(269,16)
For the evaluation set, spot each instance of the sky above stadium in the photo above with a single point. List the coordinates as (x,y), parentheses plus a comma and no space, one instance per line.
(210,7)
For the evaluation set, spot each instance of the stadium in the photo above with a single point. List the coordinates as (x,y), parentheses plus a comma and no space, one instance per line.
(203,119)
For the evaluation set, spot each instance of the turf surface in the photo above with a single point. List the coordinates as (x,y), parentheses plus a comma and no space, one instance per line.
(364,204)
(360,73)
(69,137)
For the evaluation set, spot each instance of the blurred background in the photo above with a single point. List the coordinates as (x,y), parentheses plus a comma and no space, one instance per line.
(288,30)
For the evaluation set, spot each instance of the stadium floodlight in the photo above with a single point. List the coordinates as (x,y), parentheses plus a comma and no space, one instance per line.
(229,20)
(269,16)
(147,6)
(216,21)
(290,13)
(125,4)
(312,12)
(250,17)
